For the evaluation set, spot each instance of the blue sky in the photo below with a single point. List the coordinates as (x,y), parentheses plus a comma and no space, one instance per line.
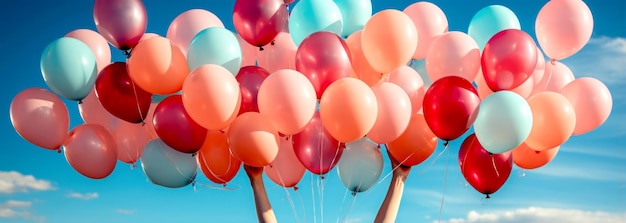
(586,182)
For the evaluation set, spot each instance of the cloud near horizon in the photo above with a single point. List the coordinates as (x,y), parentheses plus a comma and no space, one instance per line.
(13,182)
(541,215)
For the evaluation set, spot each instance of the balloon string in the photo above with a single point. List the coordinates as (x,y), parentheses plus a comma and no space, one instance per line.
(394,168)
(137,100)
(522,173)
(213,173)
(293,206)
(553,62)
(220,187)
(445,181)
(349,209)
(320,185)
(493,162)
(445,148)
(301,203)
(313,199)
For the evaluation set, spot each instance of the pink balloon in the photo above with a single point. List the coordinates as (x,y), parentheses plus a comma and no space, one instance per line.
(563,27)
(189,23)
(540,69)
(259,21)
(92,112)
(453,54)
(40,117)
(286,170)
(429,21)
(91,150)
(250,79)
(130,139)
(248,52)
(96,43)
(281,55)
(394,113)
(592,103)
(509,58)
(555,77)
(411,82)
(121,22)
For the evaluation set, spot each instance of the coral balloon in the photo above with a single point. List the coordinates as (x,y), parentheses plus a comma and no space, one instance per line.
(131,139)
(315,148)
(394,112)
(430,21)
(528,158)
(486,172)
(509,59)
(411,82)
(92,112)
(98,45)
(592,103)
(556,75)
(361,68)
(416,143)
(259,21)
(158,66)
(91,150)
(554,120)
(253,139)
(189,23)
(563,27)
(360,165)
(121,22)
(175,127)
(167,167)
(120,96)
(286,170)
(250,79)
(216,162)
(453,54)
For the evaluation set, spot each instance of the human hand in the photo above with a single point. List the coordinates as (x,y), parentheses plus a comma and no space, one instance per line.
(253,172)
(399,170)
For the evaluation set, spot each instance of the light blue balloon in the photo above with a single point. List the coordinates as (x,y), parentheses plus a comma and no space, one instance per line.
(355,14)
(489,21)
(215,45)
(68,67)
(361,165)
(503,122)
(167,167)
(310,16)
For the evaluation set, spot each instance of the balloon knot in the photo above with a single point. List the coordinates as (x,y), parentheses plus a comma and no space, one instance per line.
(224,185)
(553,62)
(127,53)
(487,196)
(353,193)
(295,188)
(143,123)
(272,42)
(322,177)
(194,154)
(261,48)
(59,150)
(445,143)
(80,101)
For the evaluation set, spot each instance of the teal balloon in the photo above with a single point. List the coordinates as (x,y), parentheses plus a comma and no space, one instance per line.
(361,165)
(489,21)
(215,45)
(503,122)
(69,68)
(354,14)
(310,16)
(167,167)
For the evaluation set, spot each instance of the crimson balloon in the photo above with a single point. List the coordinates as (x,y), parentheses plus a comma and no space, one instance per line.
(250,79)
(175,127)
(121,22)
(120,96)
(316,149)
(486,172)
(508,59)
(259,21)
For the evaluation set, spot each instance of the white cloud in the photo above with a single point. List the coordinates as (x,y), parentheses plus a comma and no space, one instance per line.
(584,172)
(124,211)
(16,204)
(13,209)
(13,181)
(602,58)
(541,215)
(85,196)
(599,151)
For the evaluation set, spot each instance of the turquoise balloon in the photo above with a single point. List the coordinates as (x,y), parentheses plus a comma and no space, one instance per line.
(309,16)
(355,14)
(69,68)
(215,45)
(489,21)
(167,167)
(503,122)
(361,165)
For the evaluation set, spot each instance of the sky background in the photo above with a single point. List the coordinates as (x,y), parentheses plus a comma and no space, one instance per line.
(586,182)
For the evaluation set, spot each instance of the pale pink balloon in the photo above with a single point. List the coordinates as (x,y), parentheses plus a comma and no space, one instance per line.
(563,27)
(92,112)
(453,54)
(189,23)
(40,117)
(540,68)
(592,102)
(281,55)
(148,36)
(248,52)
(91,150)
(411,82)
(131,139)
(286,170)
(555,77)
(96,43)
(524,90)
(429,21)
(394,113)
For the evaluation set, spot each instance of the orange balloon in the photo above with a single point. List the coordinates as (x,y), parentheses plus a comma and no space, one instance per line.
(416,144)
(389,40)
(528,158)
(394,112)
(211,96)
(215,160)
(253,139)
(158,66)
(554,120)
(361,68)
(286,170)
(348,109)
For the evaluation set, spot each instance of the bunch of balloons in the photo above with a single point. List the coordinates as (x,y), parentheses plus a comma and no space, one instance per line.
(323,85)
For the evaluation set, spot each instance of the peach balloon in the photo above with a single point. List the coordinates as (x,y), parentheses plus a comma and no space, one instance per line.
(281,55)
(429,21)
(96,43)
(556,76)
(348,109)
(361,68)
(91,150)
(131,140)
(286,170)
(253,139)
(411,82)
(563,27)
(394,112)
(592,103)
(528,158)
(554,120)
(189,23)
(92,112)
(453,53)
(158,66)
(416,143)
(215,160)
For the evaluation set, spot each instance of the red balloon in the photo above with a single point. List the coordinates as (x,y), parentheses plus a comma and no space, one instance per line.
(316,149)
(250,79)
(121,22)
(486,172)
(259,21)
(450,106)
(509,58)
(120,96)
(323,57)
(175,127)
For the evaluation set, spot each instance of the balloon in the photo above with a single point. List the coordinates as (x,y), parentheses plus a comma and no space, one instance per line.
(121,22)
(250,79)
(315,148)
(555,77)
(119,95)
(416,143)
(69,68)
(449,107)
(92,112)
(486,172)
(253,139)
(430,21)
(167,167)
(149,125)
(211,96)
(420,67)
(554,120)
(287,99)
(98,45)
(281,55)
(563,27)
(215,45)
(148,36)
(286,170)
(176,128)
(360,165)
(489,21)
(528,158)
(540,69)
(131,140)
(389,40)
(348,109)
(411,82)
(158,66)
(503,122)
(592,103)
(189,23)
(91,150)
(453,54)
(248,52)
(40,117)
(361,68)
(309,16)
(354,14)
(509,59)
(215,159)
(259,21)
(323,57)
(525,89)
(394,112)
